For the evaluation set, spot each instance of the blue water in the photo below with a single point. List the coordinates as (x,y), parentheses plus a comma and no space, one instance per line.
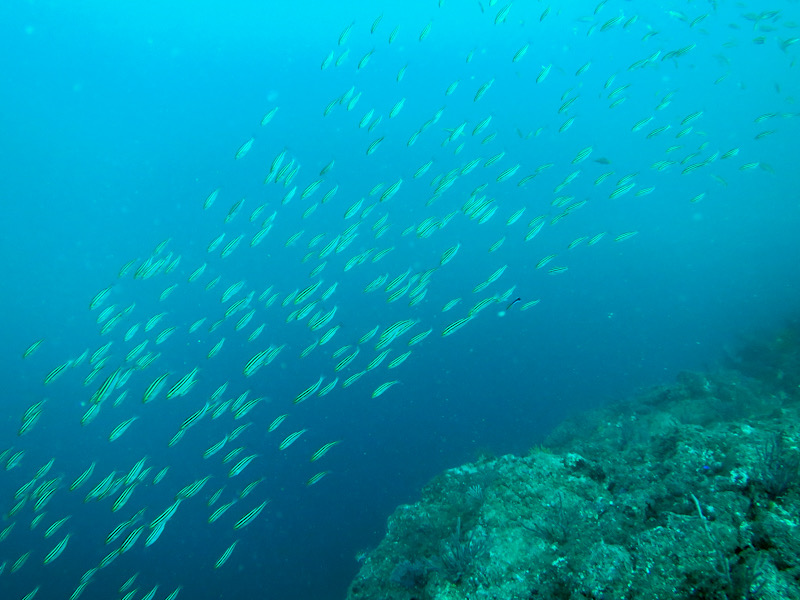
(119,118)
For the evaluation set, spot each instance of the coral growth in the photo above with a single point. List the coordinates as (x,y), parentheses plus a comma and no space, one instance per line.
(689,491)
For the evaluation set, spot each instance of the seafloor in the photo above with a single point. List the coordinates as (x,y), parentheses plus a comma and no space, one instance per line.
(690,490)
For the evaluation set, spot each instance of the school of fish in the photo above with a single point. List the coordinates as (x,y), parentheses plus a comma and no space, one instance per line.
(469,182)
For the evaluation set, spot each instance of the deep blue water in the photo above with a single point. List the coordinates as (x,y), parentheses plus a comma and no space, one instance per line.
(119,118)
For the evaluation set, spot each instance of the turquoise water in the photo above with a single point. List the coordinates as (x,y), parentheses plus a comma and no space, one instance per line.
(119,119)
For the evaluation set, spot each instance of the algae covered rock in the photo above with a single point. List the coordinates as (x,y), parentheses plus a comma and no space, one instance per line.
(689,491)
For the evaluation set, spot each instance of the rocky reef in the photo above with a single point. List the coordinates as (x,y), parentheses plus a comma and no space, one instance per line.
(690,490)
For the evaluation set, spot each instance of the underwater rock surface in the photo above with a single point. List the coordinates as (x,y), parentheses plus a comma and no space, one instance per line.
(688,491)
